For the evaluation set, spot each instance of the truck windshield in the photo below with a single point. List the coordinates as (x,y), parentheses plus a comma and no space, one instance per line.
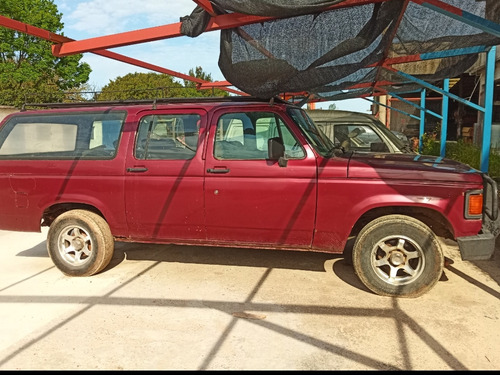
(318,140)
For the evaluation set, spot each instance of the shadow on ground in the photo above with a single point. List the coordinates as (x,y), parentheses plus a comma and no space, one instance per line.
(340,264)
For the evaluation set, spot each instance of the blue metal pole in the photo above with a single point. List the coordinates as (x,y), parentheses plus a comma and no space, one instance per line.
(422,120)
(444,114)
(453,52)
(488,108)
(415,105)
(438,90)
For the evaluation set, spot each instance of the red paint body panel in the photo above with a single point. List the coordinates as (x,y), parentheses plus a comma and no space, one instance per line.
(258,202)
(420,168)
(393,180)
(312,203)
(56,183)
(165,203)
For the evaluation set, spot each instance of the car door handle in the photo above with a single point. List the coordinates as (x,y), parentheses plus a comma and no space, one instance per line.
(217,170)
(137,169)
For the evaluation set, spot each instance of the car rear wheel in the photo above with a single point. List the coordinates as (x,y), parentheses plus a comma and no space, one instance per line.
(398,256)
(80,243)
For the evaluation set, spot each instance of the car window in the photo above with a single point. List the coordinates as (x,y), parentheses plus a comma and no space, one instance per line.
(167,137)
(86,135)
(356,137)
(245,136)
(316,137)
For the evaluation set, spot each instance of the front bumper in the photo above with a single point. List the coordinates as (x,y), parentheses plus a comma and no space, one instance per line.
(479,247)
(482,246)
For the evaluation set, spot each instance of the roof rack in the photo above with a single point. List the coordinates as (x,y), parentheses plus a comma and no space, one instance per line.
(153,102)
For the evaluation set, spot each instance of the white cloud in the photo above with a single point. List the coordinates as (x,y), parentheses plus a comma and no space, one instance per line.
(179,54)
(90,18)
(98,17)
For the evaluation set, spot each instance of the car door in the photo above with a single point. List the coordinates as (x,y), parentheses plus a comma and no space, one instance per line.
(164,176)
(250,199)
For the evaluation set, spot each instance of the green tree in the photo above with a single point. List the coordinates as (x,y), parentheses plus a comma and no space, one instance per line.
(28,70)
(197,73)
(141,86)
(155,85)
(192,86)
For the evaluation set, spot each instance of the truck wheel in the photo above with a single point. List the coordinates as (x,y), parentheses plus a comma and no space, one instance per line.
(397,256)
(80,243)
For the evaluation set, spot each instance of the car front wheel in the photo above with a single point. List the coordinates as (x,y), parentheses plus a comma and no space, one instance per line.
(80,243)
(398,256)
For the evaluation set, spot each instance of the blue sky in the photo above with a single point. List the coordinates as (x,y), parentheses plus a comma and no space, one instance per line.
(92,18)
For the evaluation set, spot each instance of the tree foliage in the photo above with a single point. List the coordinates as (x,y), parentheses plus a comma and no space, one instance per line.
(154,85)
(141,86)
(28,70)
(199,73)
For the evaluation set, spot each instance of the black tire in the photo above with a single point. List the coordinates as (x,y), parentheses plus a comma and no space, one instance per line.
(80,243)
(398,256)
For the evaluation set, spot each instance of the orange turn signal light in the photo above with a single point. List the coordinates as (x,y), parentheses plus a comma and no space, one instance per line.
(475,206)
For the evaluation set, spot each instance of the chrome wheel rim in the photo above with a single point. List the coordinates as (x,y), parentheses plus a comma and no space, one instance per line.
(397,260)
(75,245)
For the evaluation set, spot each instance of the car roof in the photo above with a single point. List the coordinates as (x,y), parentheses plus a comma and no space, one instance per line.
(321,115)
(141,105)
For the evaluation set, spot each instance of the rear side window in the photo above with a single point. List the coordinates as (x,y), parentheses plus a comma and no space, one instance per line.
(84,135)
(168,137)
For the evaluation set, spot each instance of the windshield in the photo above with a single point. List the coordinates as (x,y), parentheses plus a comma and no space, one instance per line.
(392,137)
(318,140)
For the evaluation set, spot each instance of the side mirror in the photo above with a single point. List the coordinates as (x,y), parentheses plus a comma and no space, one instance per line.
(276,151)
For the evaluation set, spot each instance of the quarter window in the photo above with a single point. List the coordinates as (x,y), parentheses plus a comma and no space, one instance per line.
(86,135)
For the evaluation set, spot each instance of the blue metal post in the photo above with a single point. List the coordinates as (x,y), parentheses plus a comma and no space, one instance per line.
(428,111)
(422,120)
(488,108)
(444,114)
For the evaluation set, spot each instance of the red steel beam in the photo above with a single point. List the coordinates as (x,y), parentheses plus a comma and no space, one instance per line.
(370,84)
(398,60)
(150,34)
(224,21)
(207,6)
(68,46)
(32,30)
(208,85)
(52,37)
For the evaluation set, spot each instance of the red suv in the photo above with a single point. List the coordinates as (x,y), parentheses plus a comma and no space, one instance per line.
(235,172)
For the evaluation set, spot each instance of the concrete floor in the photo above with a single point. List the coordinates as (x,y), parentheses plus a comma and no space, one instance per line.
(194,308)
